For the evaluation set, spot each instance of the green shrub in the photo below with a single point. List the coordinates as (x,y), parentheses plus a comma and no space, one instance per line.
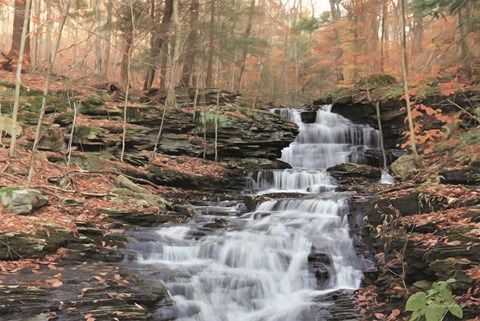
(434,304)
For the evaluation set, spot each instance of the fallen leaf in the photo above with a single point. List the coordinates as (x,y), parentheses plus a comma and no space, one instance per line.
(138,306)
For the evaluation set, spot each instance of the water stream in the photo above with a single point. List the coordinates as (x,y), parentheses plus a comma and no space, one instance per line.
(278,262)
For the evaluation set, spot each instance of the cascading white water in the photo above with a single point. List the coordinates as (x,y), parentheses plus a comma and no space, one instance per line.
(259,269)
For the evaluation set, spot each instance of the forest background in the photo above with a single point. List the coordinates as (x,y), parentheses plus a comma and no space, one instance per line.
(285,52)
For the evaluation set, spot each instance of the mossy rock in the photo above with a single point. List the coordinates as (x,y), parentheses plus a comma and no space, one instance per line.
(91,162)
(48,239)
(21,201)
(394,91)
(376,81)
(82,134)
(92,105)
(452,267)
(53,104)
(404,166)
(428,91)
(64,119)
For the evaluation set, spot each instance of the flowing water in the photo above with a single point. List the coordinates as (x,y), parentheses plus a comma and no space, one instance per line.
(278,262)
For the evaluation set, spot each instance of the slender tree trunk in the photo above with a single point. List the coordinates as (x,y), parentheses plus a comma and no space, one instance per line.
(51,63)
(21,23)
(37,34)
(463,54)
(108,38)
(127,50)
(405,78)
(18,82)
(383,35)
(211,45)
(159,38)
(98,38)
(336,15)
(356,44)
(49,31)
(243,58)
(154,50)
(128,79)
(187,76)
(417,34)
(171,100)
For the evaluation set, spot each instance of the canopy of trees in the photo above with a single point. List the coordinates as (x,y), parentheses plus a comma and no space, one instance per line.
(281,51)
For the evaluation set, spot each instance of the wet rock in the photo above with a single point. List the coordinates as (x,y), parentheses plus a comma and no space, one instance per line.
(355,170)
(21,201)
(308,117)
(185,210)
(140,218)
(318,264)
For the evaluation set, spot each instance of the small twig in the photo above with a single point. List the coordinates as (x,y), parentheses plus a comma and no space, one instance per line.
(74,191)
(13,177)
(10,249)
(141,180)
(97,195)
(5,168)
(55,188)
(464,110)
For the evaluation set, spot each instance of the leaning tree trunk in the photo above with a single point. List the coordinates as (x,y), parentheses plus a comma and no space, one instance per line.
(51,63)
(187,77)
(18,82)
(243,59)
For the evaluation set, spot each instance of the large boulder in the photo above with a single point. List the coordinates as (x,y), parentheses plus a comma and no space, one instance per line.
(404,166)
(21,201)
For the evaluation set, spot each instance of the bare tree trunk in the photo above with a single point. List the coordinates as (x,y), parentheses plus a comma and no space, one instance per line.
(128,79)
(243,58)
(463,54)
(171,100)
(108,38)
(98,38)
(383,35)
(18,82)
(336,14)
(21,23)
(159,39)
(51,63)
(36,35)
(49,31)
(154,50)
(417,34)
(187,76)
(405,78)
(211,45)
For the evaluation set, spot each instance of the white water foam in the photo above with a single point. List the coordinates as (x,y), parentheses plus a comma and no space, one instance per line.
(260,270)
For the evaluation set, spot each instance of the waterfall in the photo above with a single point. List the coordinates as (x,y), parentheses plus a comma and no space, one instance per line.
(276,263)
